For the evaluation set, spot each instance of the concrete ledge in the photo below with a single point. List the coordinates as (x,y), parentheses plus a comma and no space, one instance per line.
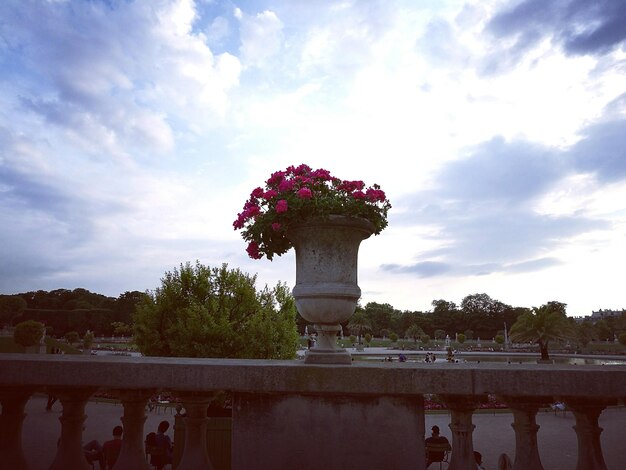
(186,374)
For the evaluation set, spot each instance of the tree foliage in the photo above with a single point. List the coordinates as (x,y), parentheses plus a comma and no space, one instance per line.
(359,324)
(543,325)
(216,312)
(11,306)
(414,332)
(28,333)
(77,310)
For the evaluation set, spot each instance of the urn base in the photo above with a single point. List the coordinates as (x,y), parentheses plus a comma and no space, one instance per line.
(337,356)
(326,349)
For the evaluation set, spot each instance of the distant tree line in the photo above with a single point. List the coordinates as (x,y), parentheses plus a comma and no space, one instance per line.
(64,310)
(477,316)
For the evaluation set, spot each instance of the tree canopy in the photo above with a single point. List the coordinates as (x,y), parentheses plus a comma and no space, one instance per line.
(28,333)
(199,311)
(11,306)
(543,325)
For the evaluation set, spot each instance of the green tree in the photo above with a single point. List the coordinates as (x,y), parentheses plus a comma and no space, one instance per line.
(121,328)
(11,306)
(381,317)
(28,333)
(585,333)
(359,324)
(622,339)
(603,331)
(88,340)
(215,312)
(543,325)
(71,337)
(414,332)
(460,338)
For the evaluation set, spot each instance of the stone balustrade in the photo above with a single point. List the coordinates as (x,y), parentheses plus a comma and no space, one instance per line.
(285,411)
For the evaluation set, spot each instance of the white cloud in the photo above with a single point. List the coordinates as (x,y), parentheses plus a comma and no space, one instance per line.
(261,37)
(137,130)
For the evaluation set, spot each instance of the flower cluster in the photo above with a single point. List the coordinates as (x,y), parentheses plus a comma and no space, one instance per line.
(298,193)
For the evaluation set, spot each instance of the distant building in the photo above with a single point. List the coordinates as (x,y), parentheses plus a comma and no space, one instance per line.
(603,314)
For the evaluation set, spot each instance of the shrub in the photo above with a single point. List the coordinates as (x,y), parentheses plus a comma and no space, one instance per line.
(425,339)
(71,337)
(88,340)
(28,333)
(499,339)
(368,338)
(622,339)
(393,337)
(460,338)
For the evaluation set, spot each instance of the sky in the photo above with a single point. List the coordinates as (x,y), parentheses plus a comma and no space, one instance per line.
(132,132)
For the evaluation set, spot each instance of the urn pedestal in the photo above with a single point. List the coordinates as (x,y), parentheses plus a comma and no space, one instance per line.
(326,290)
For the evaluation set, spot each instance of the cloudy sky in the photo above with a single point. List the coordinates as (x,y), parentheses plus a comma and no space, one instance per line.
(132,132)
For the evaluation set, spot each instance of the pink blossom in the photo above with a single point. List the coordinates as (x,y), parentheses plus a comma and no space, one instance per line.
(251,212)
(281,206)
(276,178)
(253,250)
(358,195)
(351,186)
(238,224)
(257,192)
(321,174)
(300,169)
(276,226)
(304,193)
(270,193)
(375,195)
(285,185)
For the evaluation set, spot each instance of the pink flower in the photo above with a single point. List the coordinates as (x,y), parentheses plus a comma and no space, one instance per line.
(238,224)
(375,195)
(251,211)
(321,174)
(258,192)
(253,250)
(304,193)
(276,178)
(270,193)
(300,169)
(358,195)
(352,185)
(276,226)
(281,206)
(285,185)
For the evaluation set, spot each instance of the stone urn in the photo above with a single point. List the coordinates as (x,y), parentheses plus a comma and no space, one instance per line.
(326,289)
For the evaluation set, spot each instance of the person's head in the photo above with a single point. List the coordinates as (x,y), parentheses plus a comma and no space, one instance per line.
(163,426)
(435,430)
(118,431)
(478,457)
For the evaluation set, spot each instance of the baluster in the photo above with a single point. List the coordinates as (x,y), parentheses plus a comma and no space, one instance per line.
(13,401)
(461,410)
(70,452)
(588,433)
(132,454)
(195,455)
(526,427)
